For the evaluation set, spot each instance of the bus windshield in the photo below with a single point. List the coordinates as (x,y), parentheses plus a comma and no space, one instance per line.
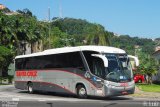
(119,68)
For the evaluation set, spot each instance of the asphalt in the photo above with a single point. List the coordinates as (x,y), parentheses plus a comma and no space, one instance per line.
(11,97)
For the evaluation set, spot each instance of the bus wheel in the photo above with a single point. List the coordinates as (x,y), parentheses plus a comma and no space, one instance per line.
(81,91)
(30,88)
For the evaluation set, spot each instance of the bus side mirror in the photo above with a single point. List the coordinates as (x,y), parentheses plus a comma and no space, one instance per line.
(135,59)
(105,60)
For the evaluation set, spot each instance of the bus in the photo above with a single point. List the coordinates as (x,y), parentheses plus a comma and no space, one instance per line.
(83,71)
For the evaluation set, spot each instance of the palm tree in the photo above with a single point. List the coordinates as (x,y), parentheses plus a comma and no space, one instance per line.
(28,30)
(96,35)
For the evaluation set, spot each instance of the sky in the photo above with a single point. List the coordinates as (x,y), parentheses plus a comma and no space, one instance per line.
(140,18)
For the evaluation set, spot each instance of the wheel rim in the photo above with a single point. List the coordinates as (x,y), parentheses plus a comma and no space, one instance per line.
(82,91)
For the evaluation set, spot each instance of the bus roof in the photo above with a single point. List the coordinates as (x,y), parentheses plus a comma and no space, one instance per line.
(100,49)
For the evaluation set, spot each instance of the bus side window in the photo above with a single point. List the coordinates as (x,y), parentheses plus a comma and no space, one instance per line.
(89,58)
(98,67)
(74,60)
(28,63)
(19,64)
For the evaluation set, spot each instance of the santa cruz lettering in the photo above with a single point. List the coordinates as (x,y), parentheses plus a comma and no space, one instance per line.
(27,73)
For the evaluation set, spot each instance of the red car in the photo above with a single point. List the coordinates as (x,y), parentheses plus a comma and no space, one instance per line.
(139,78)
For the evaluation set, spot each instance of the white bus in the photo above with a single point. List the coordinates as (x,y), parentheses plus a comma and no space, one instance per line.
(82,71)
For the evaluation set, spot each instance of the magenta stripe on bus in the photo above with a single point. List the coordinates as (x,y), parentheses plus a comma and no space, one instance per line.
(50,84)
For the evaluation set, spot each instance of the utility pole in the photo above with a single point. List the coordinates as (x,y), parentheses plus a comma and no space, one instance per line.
(60,9)
(49,30)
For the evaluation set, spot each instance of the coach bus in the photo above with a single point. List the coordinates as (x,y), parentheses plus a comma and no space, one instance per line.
(82,71)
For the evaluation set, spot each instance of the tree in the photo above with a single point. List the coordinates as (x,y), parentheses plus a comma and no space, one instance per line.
(96,35)
(5,30)
(148,66)
(128,43)
(157,41)
(81,32)
(6,57)
(26,12)
(29,30)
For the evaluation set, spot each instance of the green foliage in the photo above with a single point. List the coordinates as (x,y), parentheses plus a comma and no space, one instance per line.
(6,56)
(23,27)
(128,43)
(148,64)
(124,42)
(15,29)
(81,32)
(25,12)
(157,41)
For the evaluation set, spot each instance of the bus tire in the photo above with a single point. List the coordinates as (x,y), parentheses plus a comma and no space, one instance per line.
(81,91)
(30,88)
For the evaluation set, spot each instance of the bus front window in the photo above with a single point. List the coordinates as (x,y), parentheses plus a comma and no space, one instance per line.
(118,69)
(126,66)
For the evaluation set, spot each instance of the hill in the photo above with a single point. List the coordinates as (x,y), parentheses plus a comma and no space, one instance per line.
(130,43)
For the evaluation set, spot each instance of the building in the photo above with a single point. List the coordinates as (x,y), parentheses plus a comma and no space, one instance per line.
(157,48)
(156,55)
(2,7)
(6,11)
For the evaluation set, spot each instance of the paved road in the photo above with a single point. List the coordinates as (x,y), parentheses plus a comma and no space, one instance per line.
(11,97)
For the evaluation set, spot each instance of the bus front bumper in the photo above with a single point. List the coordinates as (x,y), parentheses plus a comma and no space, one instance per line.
(118,90)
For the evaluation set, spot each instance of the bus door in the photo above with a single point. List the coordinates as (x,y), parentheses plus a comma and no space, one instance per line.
(98,69)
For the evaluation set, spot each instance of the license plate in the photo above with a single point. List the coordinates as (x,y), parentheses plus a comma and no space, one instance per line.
(124,92)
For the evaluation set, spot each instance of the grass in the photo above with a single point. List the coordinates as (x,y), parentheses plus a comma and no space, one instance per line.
(149,88)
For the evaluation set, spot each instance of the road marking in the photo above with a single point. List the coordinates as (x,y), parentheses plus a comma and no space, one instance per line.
(15,99)
(28,97)
(41,100)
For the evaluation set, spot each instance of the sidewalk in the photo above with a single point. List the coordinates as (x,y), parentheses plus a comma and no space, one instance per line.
(142,94)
